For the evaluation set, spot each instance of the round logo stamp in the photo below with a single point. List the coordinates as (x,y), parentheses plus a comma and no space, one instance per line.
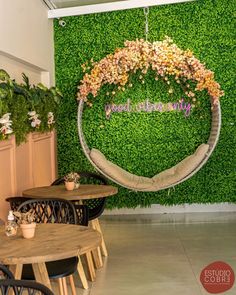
(217,277)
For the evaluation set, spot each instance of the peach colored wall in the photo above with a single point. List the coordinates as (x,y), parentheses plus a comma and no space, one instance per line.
(28,165)
(43,157)
(8,173)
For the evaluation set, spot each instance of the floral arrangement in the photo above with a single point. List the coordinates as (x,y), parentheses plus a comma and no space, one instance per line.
(30,107)
(25,218)
(72,177)
(51,120)
(163,57)
(5,125)
(33,117)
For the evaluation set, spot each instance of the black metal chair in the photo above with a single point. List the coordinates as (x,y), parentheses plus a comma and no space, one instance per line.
(8,285)
(19,287)
(95,206)
(57,211)
(16,201)
(5,273)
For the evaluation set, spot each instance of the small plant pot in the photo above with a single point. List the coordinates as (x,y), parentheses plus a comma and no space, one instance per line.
(70,185)
(28,230)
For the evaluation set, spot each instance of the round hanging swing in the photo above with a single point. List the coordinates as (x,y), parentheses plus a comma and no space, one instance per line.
(166,60)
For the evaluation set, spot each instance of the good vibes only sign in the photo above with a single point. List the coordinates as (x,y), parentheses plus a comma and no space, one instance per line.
(147,106)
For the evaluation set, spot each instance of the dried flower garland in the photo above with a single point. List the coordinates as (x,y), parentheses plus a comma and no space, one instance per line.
(163,57)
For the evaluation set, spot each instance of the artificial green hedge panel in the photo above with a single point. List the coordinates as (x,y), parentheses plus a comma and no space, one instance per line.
(147,143)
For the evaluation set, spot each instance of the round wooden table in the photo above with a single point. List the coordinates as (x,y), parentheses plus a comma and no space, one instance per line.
(84,192)
(51,242)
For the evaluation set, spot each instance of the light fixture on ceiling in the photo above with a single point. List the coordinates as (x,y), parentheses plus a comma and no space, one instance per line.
(62,23)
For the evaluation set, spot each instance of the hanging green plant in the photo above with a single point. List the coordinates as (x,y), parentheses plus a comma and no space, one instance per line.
(25,108)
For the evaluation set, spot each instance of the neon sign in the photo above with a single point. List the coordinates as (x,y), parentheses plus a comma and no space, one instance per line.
(147,106)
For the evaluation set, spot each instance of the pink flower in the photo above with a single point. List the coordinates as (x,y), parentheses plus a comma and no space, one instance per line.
(164,57)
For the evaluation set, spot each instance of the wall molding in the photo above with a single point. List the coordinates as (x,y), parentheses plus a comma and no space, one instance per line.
(31,164)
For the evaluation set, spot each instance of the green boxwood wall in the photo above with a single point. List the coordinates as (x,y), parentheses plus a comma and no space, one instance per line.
(149,143)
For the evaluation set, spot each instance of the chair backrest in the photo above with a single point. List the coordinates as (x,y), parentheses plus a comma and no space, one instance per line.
(55,211)
(85,176)
(96,206)
(19,287)
(5,273)
(16,201)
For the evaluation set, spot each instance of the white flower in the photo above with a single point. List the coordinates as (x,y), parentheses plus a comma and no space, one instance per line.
(34,118)
(38,122)
(5,118)
(6,124)
(6,130)
(50,118)
(33,124)
(32,113)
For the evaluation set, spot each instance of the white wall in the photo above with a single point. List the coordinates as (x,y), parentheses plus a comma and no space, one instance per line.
(26,37)
(26,45)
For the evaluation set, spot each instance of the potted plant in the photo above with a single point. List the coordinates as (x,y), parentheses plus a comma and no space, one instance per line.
(26,222)
(72,181)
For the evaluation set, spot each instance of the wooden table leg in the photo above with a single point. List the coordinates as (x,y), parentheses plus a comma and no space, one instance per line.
(81,273)
(16,270)
(41,274)
(96,225)
(90,266)
(97,256)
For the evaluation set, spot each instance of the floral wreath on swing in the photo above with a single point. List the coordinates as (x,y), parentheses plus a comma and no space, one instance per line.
(167,60)
(164,57)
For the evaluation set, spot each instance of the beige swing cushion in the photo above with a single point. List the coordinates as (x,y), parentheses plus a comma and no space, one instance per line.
(183,168)
(163,179)
(118,173)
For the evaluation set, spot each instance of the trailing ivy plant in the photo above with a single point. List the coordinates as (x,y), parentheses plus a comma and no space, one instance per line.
(26,108)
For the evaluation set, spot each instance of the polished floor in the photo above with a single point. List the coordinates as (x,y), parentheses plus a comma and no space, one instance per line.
(163,254)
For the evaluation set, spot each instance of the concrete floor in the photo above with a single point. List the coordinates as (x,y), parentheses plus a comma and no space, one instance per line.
(163,254)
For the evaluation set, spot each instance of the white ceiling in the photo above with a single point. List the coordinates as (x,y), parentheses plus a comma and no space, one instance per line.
(60,8)
(74,3)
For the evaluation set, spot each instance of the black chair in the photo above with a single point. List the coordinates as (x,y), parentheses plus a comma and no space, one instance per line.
(57,211)
(19,287)
(16,201)
(95,206)
(5,273)
(8,285)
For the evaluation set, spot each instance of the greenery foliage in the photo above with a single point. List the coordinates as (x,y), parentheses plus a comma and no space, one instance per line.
(148,143)
(20,99)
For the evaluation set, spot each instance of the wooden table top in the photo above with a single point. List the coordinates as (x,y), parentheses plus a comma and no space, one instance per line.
(84,192)
(51,242)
